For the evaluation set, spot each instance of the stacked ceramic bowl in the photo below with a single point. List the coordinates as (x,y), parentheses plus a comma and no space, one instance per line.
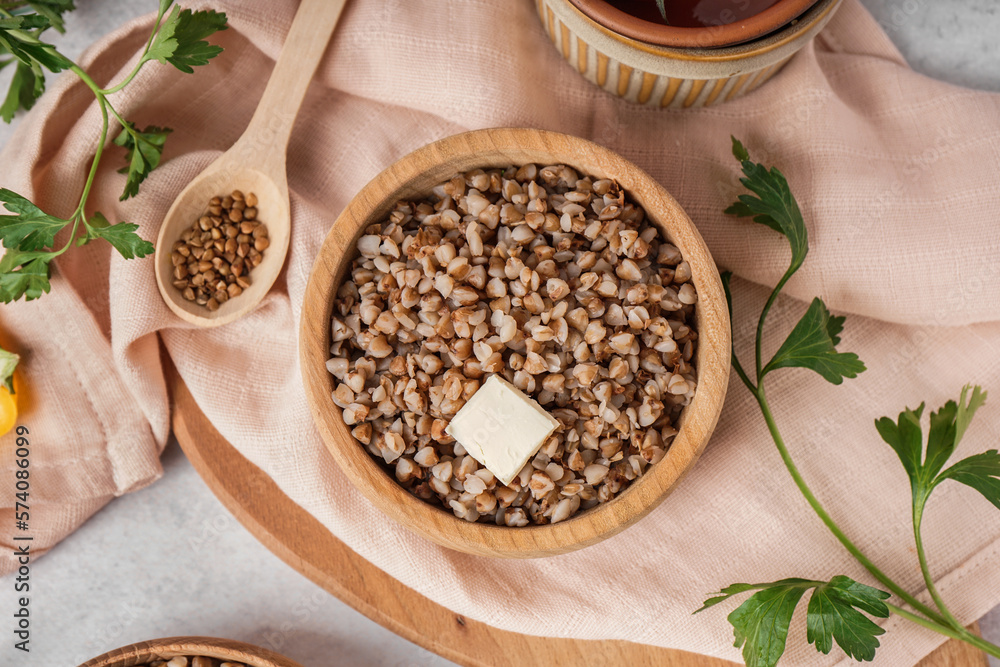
(621,46)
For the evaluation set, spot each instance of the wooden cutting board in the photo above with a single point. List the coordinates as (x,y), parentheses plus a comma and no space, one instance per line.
(302,542)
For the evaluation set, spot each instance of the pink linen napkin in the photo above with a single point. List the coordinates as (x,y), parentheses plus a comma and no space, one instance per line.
(897,177)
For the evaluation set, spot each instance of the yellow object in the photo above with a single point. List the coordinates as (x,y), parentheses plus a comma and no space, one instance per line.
(8,410)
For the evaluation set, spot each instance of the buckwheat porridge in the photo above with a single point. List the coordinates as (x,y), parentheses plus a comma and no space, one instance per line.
(554,281)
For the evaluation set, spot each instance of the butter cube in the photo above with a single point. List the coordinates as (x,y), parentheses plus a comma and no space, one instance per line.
(501,427)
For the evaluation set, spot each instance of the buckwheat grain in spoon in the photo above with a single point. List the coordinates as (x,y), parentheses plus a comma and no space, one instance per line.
(255,165)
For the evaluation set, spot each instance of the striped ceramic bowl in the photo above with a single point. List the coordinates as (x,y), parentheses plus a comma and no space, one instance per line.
(674,77)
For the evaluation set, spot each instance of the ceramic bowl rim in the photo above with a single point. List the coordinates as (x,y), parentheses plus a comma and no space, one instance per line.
(770,20)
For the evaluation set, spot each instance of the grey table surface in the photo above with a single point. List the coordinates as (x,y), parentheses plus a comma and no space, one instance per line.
(143,568)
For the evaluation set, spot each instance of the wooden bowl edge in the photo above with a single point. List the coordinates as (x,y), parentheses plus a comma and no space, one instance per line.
(221,649)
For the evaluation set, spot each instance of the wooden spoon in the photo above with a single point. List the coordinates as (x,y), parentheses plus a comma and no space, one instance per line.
(255,163)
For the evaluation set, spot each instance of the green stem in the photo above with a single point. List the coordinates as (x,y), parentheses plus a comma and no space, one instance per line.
(742,374)
(102,98)
(826,519)
(142,58)
(80,213)
(97,156)
(981,644)
(104,134)
(763,316)
(961,634)
(918,515)
(76,69)
(118,116)
(735,360)
(72,235)
(930,625)
(128,79)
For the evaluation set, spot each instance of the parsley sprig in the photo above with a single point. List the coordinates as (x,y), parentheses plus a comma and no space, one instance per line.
(21,47)
(834,614)
(29,233)
(837,609)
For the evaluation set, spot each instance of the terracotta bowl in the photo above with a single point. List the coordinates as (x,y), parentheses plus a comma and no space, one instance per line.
(414,176)
(171,647)
(675,77)
(771,19)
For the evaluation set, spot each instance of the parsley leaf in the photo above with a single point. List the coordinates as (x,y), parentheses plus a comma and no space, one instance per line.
(24,269)
(774,205)
(26,22)
(180,40)
(812,344)
(731,590)
(27,48)
(941,440)
(947,426)
(30,228)
(8,362)
(966,411)
(833,615)
(145,148)
(25,88)
(904,436)
(53,10)
(19,37)
(122,236)
(760,624)
(981,472)
(24,274)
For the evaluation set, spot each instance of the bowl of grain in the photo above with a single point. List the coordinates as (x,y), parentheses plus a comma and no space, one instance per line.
(553,264)
(190,652)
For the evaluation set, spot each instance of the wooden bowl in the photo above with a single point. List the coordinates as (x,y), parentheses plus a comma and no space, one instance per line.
(171,647)
(414,176)
(674,77)
(767,21)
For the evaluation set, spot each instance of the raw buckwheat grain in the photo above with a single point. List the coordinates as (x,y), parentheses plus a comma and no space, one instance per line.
(192,661)
(213,259)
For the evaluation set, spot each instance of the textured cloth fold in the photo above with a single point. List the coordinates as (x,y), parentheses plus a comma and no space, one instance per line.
(897,177)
